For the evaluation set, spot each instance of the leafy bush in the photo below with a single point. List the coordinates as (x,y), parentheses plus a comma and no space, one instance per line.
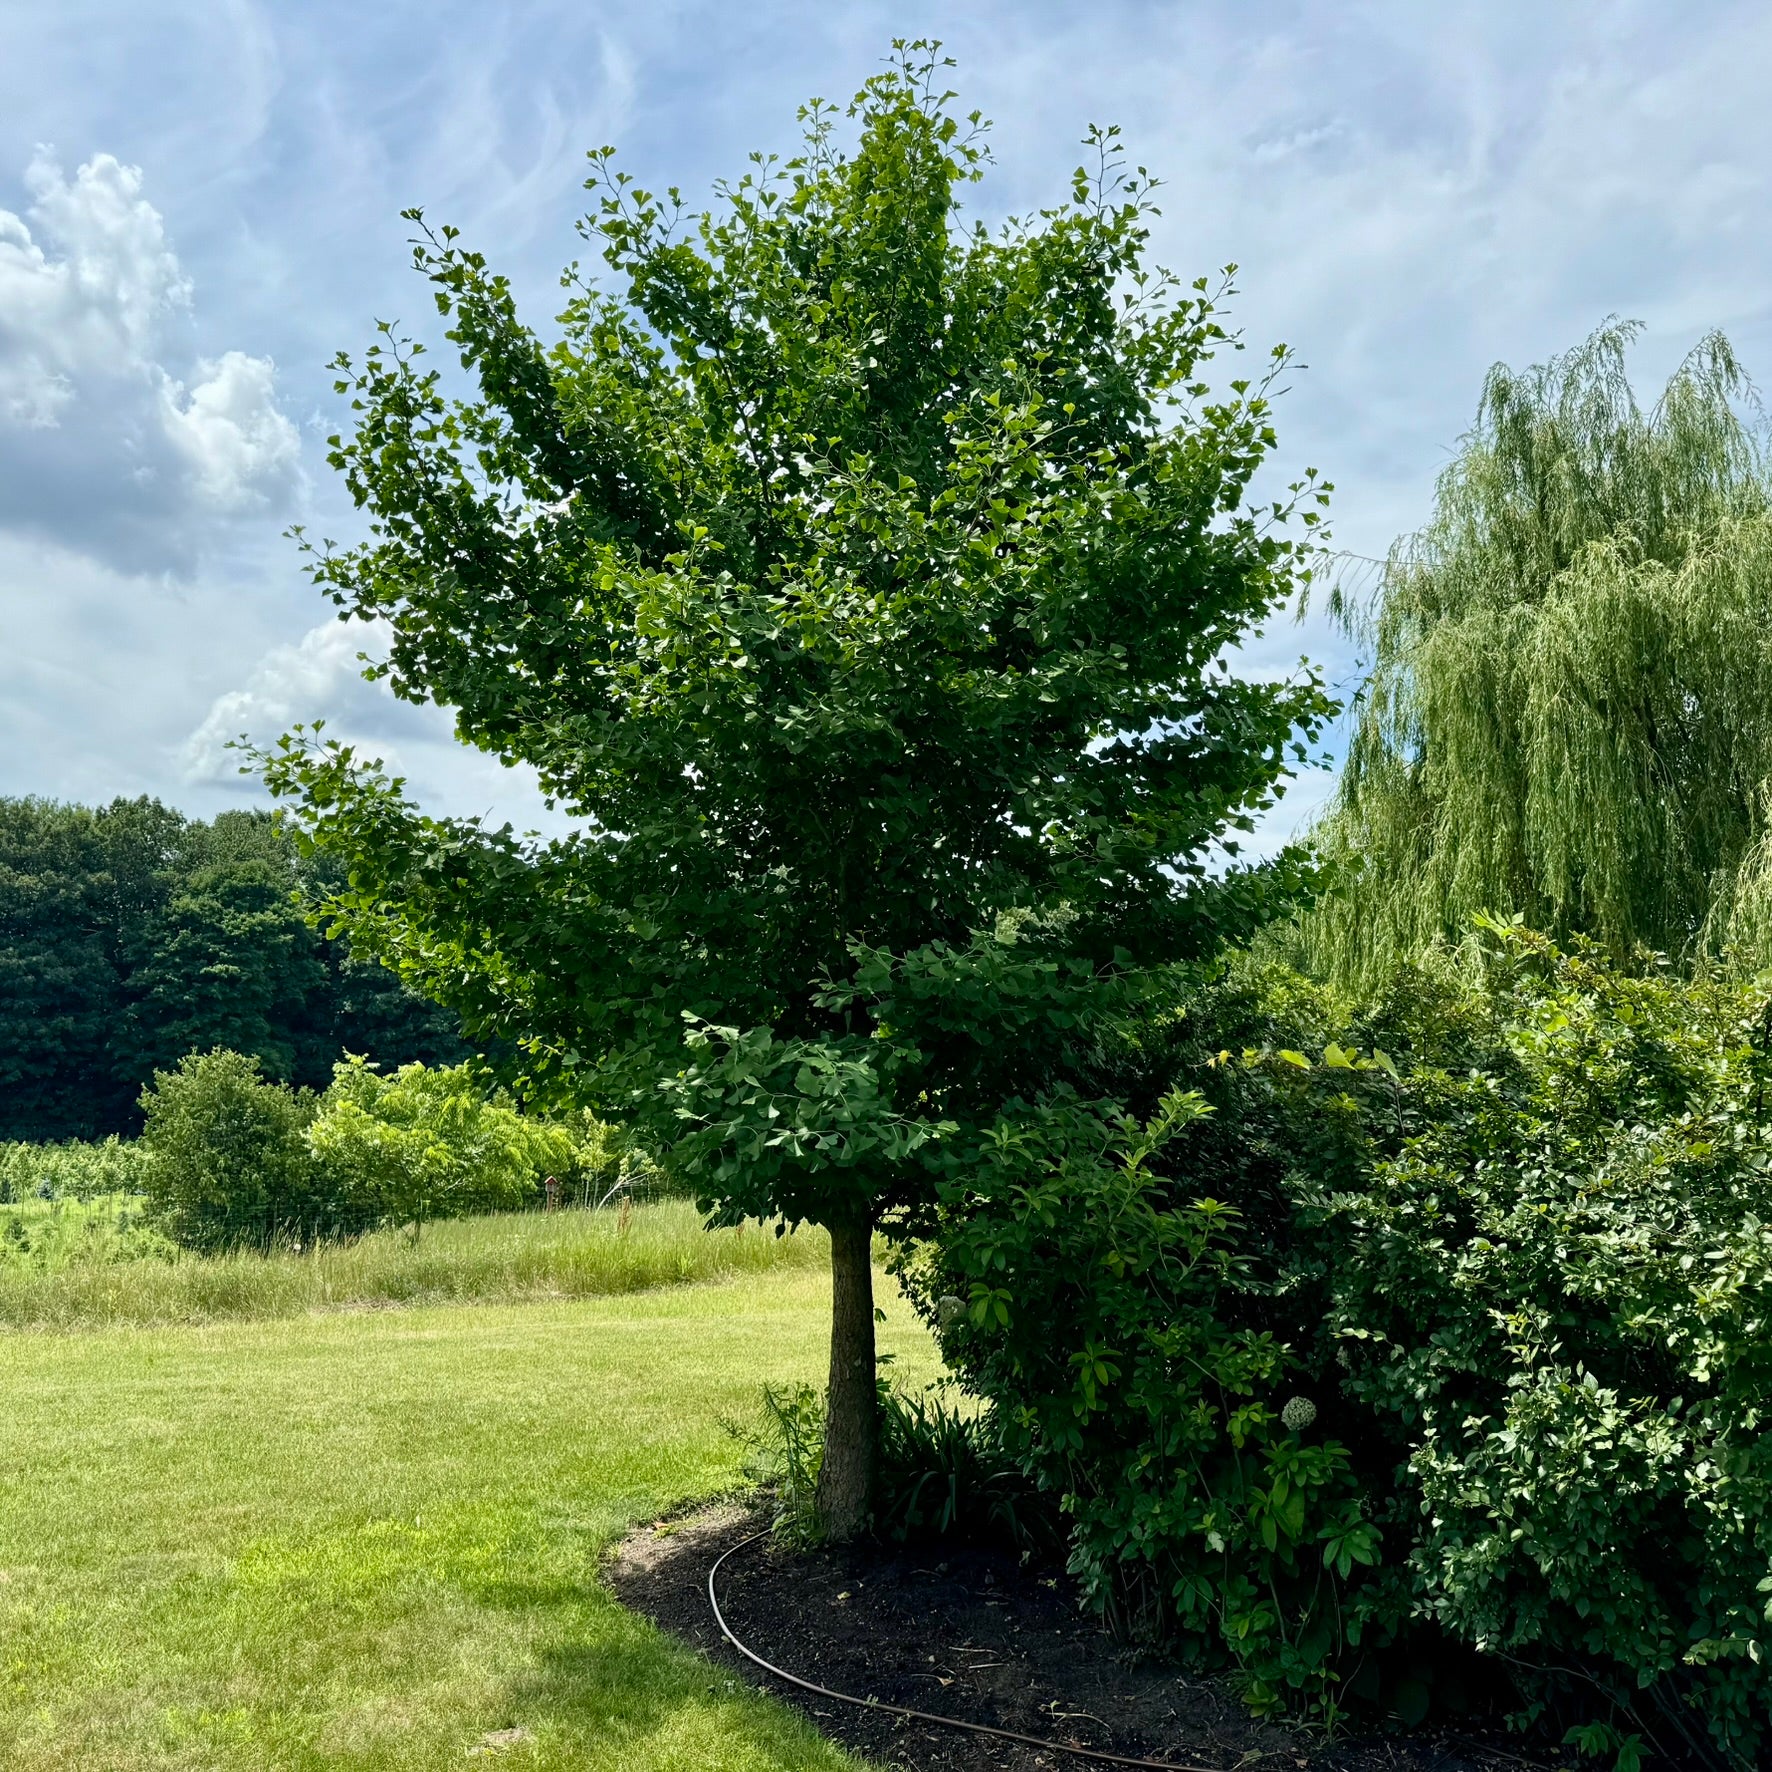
(424,1143)
(1469,1349)
(231,1158)
(1110,1325)
(1553,1300)
(227,1162)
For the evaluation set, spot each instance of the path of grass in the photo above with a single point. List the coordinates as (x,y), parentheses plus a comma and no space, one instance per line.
(365,1539)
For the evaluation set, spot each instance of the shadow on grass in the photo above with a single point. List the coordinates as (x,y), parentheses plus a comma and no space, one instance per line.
(612,1686)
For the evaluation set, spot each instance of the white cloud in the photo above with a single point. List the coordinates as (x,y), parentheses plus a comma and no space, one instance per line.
(320,677)
(242,452)
(289,684)
(103,448)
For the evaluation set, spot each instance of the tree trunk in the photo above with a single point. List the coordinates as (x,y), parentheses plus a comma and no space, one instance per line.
(846,1478)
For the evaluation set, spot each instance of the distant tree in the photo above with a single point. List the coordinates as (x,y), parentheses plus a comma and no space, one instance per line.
(76,884)
(860,582)
(230,962)
(131,936)
(1569,713)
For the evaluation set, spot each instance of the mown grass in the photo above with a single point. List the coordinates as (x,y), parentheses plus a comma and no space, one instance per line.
(364,1540)
(517,1256)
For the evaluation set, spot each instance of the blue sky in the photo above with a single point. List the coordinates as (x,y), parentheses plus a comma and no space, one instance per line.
(199,204)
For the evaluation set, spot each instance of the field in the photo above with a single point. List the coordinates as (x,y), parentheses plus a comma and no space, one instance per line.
(64,1265)
(367,1538)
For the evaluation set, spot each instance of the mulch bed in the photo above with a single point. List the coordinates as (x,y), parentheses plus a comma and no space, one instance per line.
(969,1633)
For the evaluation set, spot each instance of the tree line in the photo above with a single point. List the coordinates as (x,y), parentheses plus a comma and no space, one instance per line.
(131,935)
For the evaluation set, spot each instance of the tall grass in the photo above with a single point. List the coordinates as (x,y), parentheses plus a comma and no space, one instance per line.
(67,1231)
(509,1257)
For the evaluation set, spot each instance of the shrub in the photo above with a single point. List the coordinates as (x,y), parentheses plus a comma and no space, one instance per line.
(1113,1327)
(1446,1329)
(1553,1301)
(227,1162)
(424,1143)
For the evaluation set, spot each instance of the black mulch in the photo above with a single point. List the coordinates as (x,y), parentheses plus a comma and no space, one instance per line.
(970,1633)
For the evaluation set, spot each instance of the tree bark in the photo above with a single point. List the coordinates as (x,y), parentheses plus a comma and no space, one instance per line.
(851,1432)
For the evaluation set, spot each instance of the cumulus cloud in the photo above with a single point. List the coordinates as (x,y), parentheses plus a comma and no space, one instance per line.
(319,676)
(103,447)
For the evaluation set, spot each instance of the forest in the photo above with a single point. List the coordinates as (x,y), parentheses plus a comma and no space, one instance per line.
(131,936)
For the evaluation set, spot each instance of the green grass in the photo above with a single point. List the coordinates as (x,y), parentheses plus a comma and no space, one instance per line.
(84,1279)
(365,1539)
(64,1232)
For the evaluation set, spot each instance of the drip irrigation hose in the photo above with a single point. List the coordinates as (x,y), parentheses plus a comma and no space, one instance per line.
(922,1716)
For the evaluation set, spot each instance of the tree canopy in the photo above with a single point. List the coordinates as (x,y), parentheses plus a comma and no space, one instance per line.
(1569,712)
(859,580)
(131,935)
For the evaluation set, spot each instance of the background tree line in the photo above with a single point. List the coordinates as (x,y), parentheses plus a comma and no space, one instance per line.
(131,935)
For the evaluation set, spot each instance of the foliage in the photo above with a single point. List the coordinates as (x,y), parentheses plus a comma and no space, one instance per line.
(423,1144)
(233,1158)
(130,936)
(944,1472)
(74,884)
(1553,1302)
(858,580)
(1112,1323)
(608,1162)
(54,1235)
(1569,713)
(227,1160)
(70,1171)
(784,1453)
(1443,1335)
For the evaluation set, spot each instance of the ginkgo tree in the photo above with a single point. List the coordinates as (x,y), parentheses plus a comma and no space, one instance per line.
(860,581)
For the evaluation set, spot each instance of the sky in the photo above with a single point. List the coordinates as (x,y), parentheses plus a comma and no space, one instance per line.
(200,204)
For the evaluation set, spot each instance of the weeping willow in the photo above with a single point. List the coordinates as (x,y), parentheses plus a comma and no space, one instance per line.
(1569,711)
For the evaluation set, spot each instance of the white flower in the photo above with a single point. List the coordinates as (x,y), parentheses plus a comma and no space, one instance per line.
(1298,1414)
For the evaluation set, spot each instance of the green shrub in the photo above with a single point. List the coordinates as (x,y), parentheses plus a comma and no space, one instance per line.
(1445,1334)
(227,1162)
(1114,1330)
(228,1157)
(1553,1302)
(423,1143)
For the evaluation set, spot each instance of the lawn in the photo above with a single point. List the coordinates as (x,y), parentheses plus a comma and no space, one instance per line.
(368,1538)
